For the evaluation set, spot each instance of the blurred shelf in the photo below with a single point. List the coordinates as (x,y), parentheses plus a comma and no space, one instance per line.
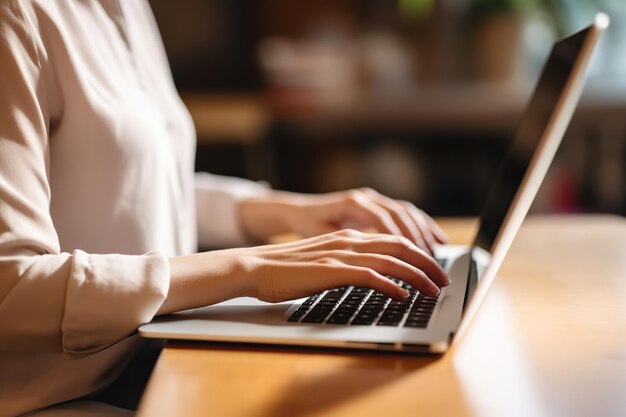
(450,109)
(464,110)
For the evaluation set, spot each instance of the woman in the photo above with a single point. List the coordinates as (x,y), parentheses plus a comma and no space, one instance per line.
(101,213)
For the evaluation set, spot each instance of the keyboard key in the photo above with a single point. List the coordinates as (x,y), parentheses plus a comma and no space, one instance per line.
(426,313)
(298,314)
(350,303)
(389,322)
(390,319)
(331,296)
(370,310)
(339,318)
(392,313)
(321,308)
(347,307)
(425,303)
(365,319)
(424,307)
(416,324)
(319,312)
(314,319)
(309,301)
(396,307)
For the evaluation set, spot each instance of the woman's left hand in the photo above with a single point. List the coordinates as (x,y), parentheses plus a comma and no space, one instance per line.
(316,214)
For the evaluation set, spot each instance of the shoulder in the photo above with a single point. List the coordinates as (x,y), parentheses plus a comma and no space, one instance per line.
(35,17)
(13,13)
(18,34)
(20,12)
(28,19)
(30,26)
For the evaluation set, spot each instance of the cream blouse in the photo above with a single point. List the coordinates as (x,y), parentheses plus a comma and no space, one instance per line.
(96,190)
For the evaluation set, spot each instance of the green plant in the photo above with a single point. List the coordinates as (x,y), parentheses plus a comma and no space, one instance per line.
(416,8)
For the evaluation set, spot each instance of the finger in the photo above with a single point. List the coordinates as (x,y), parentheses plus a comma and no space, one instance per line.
(389,266)
(438,232)
(418,231)
(367,213)
(333,274)
(336,240)
(406,251)
(408,225)
(418,217)
(369,278)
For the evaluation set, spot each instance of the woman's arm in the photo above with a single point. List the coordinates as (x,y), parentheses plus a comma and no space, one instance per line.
(293,270)
(313,214)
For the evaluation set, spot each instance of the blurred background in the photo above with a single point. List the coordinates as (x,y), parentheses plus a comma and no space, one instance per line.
(416,98)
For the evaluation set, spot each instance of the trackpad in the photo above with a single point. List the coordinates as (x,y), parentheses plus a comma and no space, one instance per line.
(240,310)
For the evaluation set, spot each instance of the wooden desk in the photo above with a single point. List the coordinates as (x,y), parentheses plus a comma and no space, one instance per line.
(549,340)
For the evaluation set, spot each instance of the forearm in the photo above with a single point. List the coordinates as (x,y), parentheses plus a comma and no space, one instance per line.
(205,278)
(270,215)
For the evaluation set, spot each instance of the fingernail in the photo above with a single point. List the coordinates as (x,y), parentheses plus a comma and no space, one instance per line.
(405,294)
(433,290)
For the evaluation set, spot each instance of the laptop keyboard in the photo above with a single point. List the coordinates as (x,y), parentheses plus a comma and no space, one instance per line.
(358,306)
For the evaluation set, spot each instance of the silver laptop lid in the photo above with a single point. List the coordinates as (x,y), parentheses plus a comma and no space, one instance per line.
(536,140)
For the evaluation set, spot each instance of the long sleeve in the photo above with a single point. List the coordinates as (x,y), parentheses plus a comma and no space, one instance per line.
(51,300)
(96,192)
(218,198)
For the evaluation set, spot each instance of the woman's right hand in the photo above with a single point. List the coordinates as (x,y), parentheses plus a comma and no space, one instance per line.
(298,269)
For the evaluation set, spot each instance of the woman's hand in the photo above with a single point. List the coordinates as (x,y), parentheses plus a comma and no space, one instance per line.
(293,270)
(315,214)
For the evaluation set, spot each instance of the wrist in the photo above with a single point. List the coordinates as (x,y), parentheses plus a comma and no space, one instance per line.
(267,216)
(207,278)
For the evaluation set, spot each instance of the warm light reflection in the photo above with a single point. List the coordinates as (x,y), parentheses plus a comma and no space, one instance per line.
(495,379)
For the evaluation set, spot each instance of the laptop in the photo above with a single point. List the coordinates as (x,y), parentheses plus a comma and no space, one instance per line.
(360,318)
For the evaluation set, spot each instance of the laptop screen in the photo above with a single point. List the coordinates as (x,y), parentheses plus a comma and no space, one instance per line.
(533,124)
